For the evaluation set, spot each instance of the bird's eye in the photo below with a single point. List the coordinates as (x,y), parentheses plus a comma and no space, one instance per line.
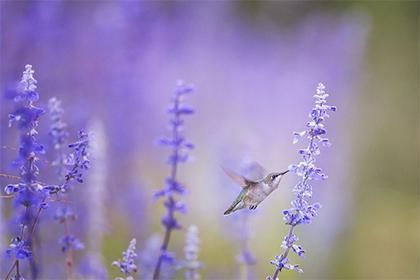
(273,177)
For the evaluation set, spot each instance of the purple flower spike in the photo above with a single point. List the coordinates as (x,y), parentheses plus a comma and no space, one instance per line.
(302,211)
(180,147)
(29,194)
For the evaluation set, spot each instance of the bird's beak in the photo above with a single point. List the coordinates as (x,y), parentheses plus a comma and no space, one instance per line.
(284,172)
(281,173)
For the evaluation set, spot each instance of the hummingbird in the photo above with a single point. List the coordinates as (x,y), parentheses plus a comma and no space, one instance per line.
(253,191)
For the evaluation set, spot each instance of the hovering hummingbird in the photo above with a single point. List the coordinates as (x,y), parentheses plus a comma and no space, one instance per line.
(253,191)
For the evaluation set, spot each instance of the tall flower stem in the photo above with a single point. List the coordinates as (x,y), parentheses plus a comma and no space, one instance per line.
(179,146)
(170,199)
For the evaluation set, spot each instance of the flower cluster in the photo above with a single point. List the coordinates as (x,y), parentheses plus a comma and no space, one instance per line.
(19,248)
(77,162)
(302,211)
(71,169)
(192,247)
(127,265)
(28,192)
(180,147)
(79,159)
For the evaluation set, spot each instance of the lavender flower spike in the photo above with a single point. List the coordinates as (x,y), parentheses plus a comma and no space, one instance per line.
(28,193)
(127,264)
(302,211)
(180,147)
(191,250)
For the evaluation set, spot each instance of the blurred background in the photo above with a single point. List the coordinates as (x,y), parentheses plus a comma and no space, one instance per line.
(255,66)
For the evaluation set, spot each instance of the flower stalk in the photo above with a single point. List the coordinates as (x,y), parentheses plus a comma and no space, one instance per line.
(302,211)
(179,154)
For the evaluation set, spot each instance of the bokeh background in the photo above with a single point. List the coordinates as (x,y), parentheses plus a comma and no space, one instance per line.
(255,66)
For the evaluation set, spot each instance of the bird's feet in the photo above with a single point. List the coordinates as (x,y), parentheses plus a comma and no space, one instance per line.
(253,207)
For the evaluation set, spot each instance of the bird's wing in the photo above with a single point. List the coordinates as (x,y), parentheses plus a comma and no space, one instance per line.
(239,179)
(255,168)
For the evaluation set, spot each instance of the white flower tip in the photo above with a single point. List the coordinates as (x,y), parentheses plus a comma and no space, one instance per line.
(321,85)
(193,228)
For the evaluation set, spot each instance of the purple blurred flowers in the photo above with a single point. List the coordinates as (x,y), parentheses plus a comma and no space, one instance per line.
(302,211)
(180,147)
(69,242)
(71,168)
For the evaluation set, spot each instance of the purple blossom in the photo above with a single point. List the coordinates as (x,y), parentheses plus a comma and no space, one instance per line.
(19,249)
(302,211)
(180,147)
(64,214)
(70,242)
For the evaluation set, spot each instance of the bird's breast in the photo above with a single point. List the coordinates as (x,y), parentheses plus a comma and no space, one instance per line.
(259,192)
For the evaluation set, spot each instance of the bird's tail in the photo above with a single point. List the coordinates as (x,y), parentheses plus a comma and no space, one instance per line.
(231,208)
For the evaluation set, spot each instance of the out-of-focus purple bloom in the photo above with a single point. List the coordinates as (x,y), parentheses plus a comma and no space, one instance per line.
(302,211)
(70,242)
(127,265)
(148,256)
(64,214)
(180,147)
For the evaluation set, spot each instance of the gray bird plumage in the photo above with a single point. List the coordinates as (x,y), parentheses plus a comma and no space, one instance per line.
(254,191)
